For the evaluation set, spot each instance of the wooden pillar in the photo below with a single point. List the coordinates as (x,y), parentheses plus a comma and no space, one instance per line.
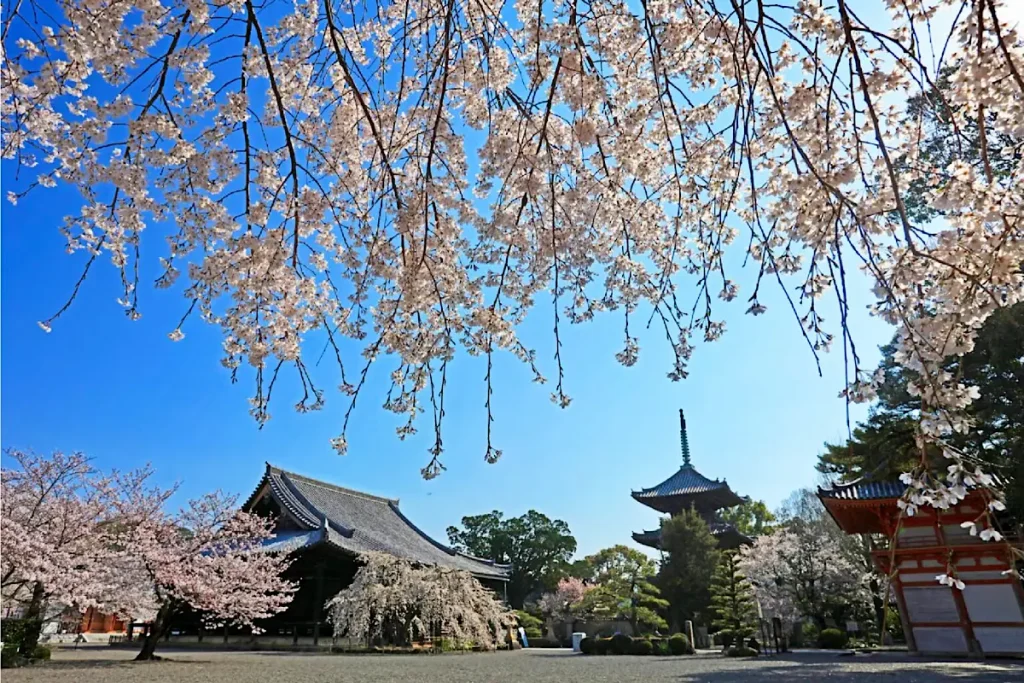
(295,634)
(973,648)
(318,602)
(130,629)
(225,633)
(908,631)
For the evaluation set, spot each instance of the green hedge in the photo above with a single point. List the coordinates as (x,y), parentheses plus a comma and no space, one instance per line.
(832,639)
(741,651)
(679,644)
(533,626)
(621,644)
(543,642)
(15,633)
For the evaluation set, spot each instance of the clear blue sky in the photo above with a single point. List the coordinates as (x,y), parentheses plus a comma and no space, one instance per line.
(126,395)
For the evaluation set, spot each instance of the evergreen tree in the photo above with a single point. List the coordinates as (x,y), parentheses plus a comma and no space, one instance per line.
(691,554)
(884,445)
(622,588)
(732,600)
(751,517)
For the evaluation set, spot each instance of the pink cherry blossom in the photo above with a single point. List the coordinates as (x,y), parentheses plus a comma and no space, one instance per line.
(413,177)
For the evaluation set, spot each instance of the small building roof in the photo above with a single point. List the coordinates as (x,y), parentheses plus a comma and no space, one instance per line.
(356,522)
(687,487)
(864,490)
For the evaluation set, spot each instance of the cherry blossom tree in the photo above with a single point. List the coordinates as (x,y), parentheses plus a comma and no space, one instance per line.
(78,537)
(798,571)
(565,601)
(415,176)
(60,544)
(392,600)
(207,557)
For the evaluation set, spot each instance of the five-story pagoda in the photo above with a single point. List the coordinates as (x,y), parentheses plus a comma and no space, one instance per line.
(688,488)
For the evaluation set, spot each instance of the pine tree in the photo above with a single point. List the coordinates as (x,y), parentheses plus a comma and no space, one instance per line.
(732,600)
(691,555)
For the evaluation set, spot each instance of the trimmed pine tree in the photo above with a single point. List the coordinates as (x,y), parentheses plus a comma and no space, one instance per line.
(732,601)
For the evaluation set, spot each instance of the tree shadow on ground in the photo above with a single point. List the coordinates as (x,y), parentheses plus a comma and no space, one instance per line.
(849,670)
(97,663)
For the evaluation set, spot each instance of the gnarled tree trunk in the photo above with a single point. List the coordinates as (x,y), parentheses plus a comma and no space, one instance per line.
(159,627)
(33,618)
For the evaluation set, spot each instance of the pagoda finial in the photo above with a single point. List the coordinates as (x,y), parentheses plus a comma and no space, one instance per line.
(683,441)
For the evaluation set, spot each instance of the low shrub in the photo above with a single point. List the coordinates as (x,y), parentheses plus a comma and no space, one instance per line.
(642,647)
(9,657)
(679,644)
(832,639)
(40,653)
(544,642)
(454,645)
(753,644)
(741,651)
(588,646)
(604,646)
(621,644)
(533,626)
(808,634)
(726,638)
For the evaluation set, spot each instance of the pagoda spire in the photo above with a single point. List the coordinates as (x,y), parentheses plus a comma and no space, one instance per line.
(683,441)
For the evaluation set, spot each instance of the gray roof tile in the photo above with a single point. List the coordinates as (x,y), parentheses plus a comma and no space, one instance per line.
(359,522)
(686,481)
(864,490)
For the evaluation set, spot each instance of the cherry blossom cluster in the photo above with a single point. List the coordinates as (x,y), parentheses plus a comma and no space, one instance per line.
(402,603)
(61,534)
(397,181)
(794,571)
(77,537)
(566,599)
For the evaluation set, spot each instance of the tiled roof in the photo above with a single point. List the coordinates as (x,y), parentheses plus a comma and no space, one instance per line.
(652,538)
(864,490)
(359,522)
(290,541)
(687,481)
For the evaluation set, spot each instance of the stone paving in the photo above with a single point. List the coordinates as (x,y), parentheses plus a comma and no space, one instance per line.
(538,666)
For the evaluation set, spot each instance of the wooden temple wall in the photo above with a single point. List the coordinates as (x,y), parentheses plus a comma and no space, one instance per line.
(986,617)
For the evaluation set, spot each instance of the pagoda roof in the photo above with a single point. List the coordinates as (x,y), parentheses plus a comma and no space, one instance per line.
(685,482)
(728,536)
(356,522)
(687,487)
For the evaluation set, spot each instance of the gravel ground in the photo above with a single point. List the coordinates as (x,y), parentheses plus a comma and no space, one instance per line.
(538,666)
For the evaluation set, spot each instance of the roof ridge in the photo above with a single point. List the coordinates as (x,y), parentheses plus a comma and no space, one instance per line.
(441,546)
(304,508)
(335,487)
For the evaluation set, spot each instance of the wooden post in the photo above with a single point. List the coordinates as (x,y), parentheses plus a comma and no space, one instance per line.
(295,635)
(318,599)
(225,633)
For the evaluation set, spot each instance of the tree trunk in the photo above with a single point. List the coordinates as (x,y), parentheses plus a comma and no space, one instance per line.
(33,622)
(879,605)
(160,624)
